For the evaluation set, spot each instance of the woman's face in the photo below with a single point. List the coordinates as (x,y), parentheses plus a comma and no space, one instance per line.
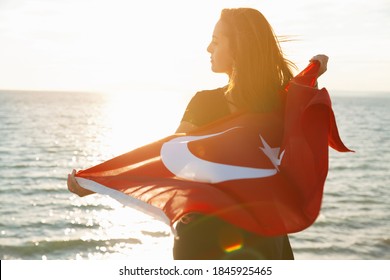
(221,54)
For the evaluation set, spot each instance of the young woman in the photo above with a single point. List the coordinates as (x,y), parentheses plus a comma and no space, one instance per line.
(245,48)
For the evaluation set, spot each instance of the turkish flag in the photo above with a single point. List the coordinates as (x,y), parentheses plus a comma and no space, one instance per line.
(264,172)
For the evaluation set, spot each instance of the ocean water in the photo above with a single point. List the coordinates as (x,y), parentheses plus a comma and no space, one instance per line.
(45,135)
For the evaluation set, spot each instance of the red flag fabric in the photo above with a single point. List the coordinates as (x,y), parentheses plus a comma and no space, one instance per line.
(262,172)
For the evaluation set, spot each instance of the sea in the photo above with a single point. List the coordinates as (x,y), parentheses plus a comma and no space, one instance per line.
(44,135)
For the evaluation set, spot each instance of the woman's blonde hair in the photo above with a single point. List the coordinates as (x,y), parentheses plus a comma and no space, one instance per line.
(260,71)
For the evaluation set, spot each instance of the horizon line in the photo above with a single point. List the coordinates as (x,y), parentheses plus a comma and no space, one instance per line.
(338,92)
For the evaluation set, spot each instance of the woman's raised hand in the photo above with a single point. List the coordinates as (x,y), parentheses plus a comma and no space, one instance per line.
(323,60)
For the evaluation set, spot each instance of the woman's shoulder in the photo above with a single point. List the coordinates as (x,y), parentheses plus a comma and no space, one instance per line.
(206,106)
(220,90)
(210,93)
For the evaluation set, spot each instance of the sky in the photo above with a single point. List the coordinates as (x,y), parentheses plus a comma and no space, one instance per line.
(116,46)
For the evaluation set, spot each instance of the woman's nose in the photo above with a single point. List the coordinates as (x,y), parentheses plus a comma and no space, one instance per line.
(209,48)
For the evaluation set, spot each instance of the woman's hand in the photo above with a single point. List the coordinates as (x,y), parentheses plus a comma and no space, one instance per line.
(74,187)
(323,60)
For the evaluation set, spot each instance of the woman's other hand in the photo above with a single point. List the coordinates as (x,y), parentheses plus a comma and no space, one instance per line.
(74,187)
(323,60)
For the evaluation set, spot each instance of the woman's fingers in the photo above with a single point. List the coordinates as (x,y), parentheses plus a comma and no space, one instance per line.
(323,60)
(74,187)
(72,183)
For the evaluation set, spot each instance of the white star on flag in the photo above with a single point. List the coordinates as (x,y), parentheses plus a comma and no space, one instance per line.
(272,153)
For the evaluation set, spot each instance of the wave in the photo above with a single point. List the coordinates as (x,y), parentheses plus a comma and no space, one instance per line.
(158,234)
(58,249)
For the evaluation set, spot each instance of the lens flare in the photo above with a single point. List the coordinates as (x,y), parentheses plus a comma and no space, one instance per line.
(232,248)
(230,239)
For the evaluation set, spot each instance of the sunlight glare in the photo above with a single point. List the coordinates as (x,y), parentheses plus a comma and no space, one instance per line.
(135,119)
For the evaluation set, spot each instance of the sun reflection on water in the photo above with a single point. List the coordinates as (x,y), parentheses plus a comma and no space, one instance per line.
(119,232)
(127,121)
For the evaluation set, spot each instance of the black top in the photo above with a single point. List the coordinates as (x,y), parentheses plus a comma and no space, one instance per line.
(208,237)
(207,106)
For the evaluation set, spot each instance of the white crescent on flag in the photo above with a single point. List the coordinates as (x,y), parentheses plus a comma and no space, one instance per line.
(178,159)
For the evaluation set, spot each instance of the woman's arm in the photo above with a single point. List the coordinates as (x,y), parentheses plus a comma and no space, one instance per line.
(74,187)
